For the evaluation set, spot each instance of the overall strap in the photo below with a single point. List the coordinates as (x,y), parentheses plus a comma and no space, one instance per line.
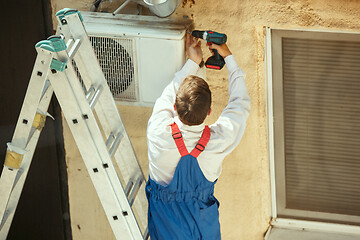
(179,141)
(200,146)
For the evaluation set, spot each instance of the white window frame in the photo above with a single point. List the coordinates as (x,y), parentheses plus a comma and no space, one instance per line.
(307,226)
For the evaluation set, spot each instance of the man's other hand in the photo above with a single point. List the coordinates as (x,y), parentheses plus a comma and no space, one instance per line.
(193,49)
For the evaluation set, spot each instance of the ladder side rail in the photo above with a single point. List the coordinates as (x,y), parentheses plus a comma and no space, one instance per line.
(125,154)
(32,97)
(23,171)
(123,159)
(132,167)
(97,137)
(90,155)
(88,66)
(106,109)
(89,77)
(91,71)
(25,121)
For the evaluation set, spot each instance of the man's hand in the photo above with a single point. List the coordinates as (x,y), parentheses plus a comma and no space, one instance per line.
(193,49)
(223,50)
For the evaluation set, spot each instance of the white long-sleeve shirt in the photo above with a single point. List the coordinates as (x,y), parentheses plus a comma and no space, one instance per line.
(226,132)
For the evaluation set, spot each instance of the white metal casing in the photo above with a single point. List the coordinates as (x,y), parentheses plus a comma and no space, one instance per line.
(157,51)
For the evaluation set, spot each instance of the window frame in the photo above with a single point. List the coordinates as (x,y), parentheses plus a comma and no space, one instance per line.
(273,70)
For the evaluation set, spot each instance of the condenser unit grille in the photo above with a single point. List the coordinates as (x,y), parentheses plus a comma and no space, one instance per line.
(117,60)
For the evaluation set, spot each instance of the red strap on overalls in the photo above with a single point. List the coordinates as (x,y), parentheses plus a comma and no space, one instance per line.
(179,141)
(200,146)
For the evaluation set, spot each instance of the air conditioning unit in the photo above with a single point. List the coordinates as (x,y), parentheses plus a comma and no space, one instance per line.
(139,55)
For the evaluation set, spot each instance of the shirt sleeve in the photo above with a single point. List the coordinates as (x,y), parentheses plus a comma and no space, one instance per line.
(229,128)
(163,112)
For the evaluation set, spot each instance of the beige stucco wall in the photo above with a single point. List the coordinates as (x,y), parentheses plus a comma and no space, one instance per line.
(244,186)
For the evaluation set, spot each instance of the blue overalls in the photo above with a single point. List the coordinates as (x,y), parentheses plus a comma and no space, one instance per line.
(186,209)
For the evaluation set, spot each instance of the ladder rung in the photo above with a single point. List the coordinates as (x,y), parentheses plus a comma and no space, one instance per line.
(46,87)
(18,175)
(89,92)
(129,186)
(69,42)
(116,143)
(5,218)
(110,140)
(74,48)
(135,190)
(146,234)
(95,97)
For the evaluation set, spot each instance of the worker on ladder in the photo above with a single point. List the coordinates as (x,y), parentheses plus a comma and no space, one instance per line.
(180,189)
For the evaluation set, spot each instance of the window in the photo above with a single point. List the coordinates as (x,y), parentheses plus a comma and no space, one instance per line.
(314,125)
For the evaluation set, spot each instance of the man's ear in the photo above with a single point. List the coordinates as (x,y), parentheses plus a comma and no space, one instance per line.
(208,112)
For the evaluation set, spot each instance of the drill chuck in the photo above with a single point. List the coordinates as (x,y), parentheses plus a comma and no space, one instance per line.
(198,34)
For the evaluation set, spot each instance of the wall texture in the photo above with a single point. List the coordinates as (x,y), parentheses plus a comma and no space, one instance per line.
(244,186)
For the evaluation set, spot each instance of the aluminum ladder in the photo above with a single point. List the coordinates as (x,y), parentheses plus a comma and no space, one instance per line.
(93,118)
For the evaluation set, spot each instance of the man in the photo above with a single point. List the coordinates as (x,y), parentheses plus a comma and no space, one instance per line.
(181,184)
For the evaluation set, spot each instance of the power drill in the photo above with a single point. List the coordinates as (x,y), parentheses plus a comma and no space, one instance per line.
(216,61)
